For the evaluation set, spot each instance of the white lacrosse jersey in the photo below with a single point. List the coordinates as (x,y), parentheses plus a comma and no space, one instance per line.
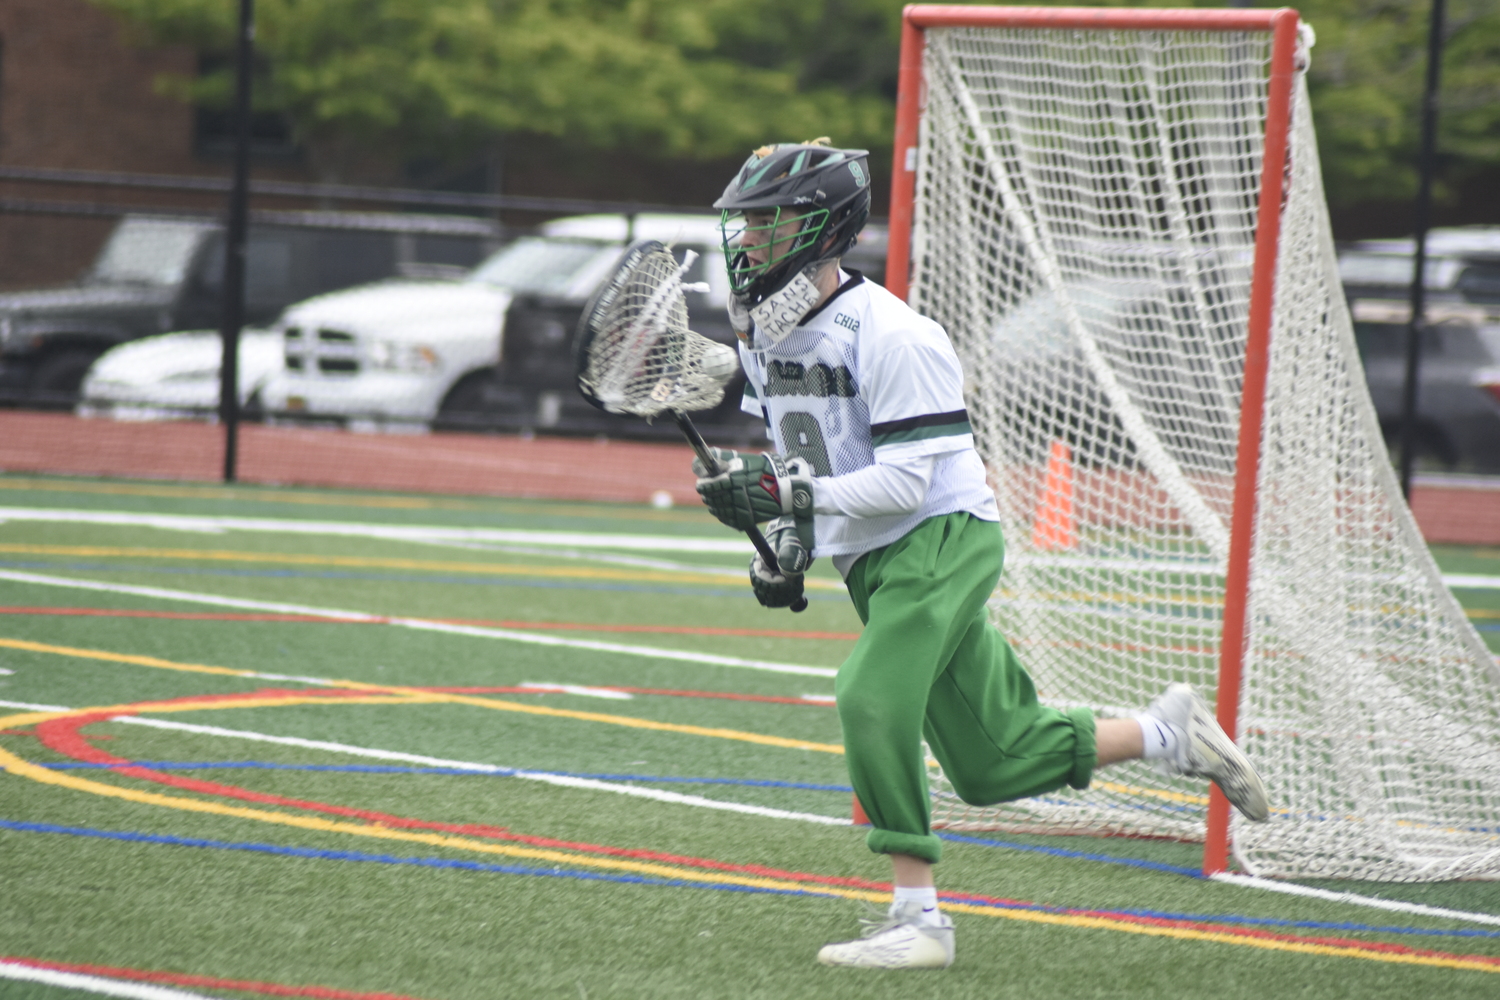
(865,377)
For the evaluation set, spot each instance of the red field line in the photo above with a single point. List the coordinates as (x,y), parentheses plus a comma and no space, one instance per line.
(210,982)
(228,616)
(64,737)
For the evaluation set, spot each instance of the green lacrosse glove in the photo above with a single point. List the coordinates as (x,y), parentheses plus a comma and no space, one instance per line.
(751,489)
(780,590)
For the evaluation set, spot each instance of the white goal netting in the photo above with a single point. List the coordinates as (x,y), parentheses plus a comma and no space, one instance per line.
(1084,229)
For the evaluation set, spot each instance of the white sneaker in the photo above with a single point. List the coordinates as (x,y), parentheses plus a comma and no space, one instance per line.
(1206,751)
(900,940)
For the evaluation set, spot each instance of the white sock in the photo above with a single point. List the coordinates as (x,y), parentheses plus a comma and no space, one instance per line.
(926,895)
(1159,738)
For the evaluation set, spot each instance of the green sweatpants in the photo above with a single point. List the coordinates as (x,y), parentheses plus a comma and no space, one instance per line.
(929,663)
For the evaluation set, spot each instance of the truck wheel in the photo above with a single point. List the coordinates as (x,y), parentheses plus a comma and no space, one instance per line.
(254,409)
(468,404)
(59,376)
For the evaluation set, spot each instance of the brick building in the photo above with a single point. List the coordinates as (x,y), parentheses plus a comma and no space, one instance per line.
(77,92)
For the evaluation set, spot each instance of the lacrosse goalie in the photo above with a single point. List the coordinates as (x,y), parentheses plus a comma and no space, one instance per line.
(874,467)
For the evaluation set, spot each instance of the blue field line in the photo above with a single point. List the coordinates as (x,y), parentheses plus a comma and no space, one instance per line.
(168,765)
(527,582)
(387,859)
(558,872)
(260,765)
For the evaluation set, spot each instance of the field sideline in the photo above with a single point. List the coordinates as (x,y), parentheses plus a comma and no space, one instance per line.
(289,742)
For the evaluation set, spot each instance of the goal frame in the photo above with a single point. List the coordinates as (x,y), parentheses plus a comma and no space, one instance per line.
(1282,24)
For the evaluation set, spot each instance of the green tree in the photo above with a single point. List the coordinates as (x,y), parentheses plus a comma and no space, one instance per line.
(698,78)
(711,78)
(1366,81)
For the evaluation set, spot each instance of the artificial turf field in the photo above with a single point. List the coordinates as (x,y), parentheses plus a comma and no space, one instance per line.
(395,804)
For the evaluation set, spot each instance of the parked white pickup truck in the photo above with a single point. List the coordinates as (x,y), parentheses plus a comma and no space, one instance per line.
(407,351)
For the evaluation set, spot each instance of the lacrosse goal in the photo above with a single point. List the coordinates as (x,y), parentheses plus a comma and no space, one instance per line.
(1118,217)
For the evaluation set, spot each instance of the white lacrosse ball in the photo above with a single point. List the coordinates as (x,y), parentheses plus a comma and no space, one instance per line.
(661,500)
(719,362)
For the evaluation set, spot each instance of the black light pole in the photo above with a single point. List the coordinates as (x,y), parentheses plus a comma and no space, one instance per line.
(1426,167)
(232,312)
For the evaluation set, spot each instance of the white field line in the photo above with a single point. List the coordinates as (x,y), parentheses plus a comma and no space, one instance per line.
(419,624)
(1293,889)
(27,706)
(1242,881)
(727,545)
(576,540)
(593,555)
(94,984)
(579,689)
(587,784)
(1471,581)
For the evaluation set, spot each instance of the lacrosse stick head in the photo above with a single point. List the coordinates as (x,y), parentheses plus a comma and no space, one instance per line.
(634,353)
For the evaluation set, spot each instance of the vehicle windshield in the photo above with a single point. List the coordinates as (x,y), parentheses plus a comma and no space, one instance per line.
(147,252)
(541,265)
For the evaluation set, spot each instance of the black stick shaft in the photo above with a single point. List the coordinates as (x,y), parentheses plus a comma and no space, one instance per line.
(690,431)
(1427,166)
(232,311)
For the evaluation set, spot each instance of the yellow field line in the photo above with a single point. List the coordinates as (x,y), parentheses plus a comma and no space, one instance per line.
(215,493)
(140,661)
(21,768)
(25,769)
(367,562)
(1155,793)
(1192,934)
(416,694)
(377,562)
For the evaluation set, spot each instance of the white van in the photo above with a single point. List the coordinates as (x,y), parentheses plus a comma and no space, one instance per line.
(406,352)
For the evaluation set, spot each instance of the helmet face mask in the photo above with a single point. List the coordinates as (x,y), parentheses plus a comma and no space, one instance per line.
(790,207)
(759,242)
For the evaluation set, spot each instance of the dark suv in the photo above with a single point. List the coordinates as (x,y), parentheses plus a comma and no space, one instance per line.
(158,274)
(1458,417)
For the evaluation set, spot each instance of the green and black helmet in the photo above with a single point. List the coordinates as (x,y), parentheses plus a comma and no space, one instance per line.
(826,190)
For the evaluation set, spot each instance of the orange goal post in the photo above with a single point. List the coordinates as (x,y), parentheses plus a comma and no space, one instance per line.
(1118,216)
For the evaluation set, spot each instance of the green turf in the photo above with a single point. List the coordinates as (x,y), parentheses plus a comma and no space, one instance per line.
(1483,605)
(451,933)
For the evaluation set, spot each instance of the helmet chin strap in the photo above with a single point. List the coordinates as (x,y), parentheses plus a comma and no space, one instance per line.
(778,313)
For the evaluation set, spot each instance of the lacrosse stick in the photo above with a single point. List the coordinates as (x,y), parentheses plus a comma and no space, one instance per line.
(634,354)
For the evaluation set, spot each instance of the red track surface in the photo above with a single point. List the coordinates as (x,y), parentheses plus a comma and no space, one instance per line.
(491,465)
(488,465)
